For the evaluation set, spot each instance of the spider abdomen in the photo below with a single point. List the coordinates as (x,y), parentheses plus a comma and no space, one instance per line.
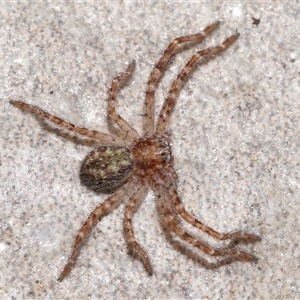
(106,168)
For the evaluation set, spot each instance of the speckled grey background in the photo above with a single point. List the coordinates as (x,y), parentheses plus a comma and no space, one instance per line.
(235,141)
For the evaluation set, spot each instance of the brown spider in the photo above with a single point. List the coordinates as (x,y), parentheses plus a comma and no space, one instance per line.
(130,165)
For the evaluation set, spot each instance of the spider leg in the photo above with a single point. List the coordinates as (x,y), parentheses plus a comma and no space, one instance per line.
(238,236)
(100,211)
(129,212)
(127,131)
(169,103)
(169,216)
(103,138)
(157,72)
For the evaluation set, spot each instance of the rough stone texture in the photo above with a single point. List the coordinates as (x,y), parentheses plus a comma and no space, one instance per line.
(235,141)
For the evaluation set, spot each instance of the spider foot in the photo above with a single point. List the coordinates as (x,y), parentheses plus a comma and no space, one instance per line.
(147,266)
(150,272)
(65,271)
(238,237)
(235,253)
(139,253)
(246,257)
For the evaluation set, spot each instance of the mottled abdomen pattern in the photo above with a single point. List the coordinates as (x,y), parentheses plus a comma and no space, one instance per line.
(106,168)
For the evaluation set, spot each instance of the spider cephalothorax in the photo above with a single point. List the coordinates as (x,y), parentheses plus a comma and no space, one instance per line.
(129,165)
(150,154)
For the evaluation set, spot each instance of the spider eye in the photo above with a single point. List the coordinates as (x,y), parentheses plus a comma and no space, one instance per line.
(165,150)
(106,168)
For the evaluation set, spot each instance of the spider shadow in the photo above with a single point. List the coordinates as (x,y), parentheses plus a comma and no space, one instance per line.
(112,127)
(130,251)
(184,47)
(66,135)
(192,254)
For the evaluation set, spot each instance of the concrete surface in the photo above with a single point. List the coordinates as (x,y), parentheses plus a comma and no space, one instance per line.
(235,141)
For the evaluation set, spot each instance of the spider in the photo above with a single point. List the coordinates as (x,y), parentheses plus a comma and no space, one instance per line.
(128,165)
